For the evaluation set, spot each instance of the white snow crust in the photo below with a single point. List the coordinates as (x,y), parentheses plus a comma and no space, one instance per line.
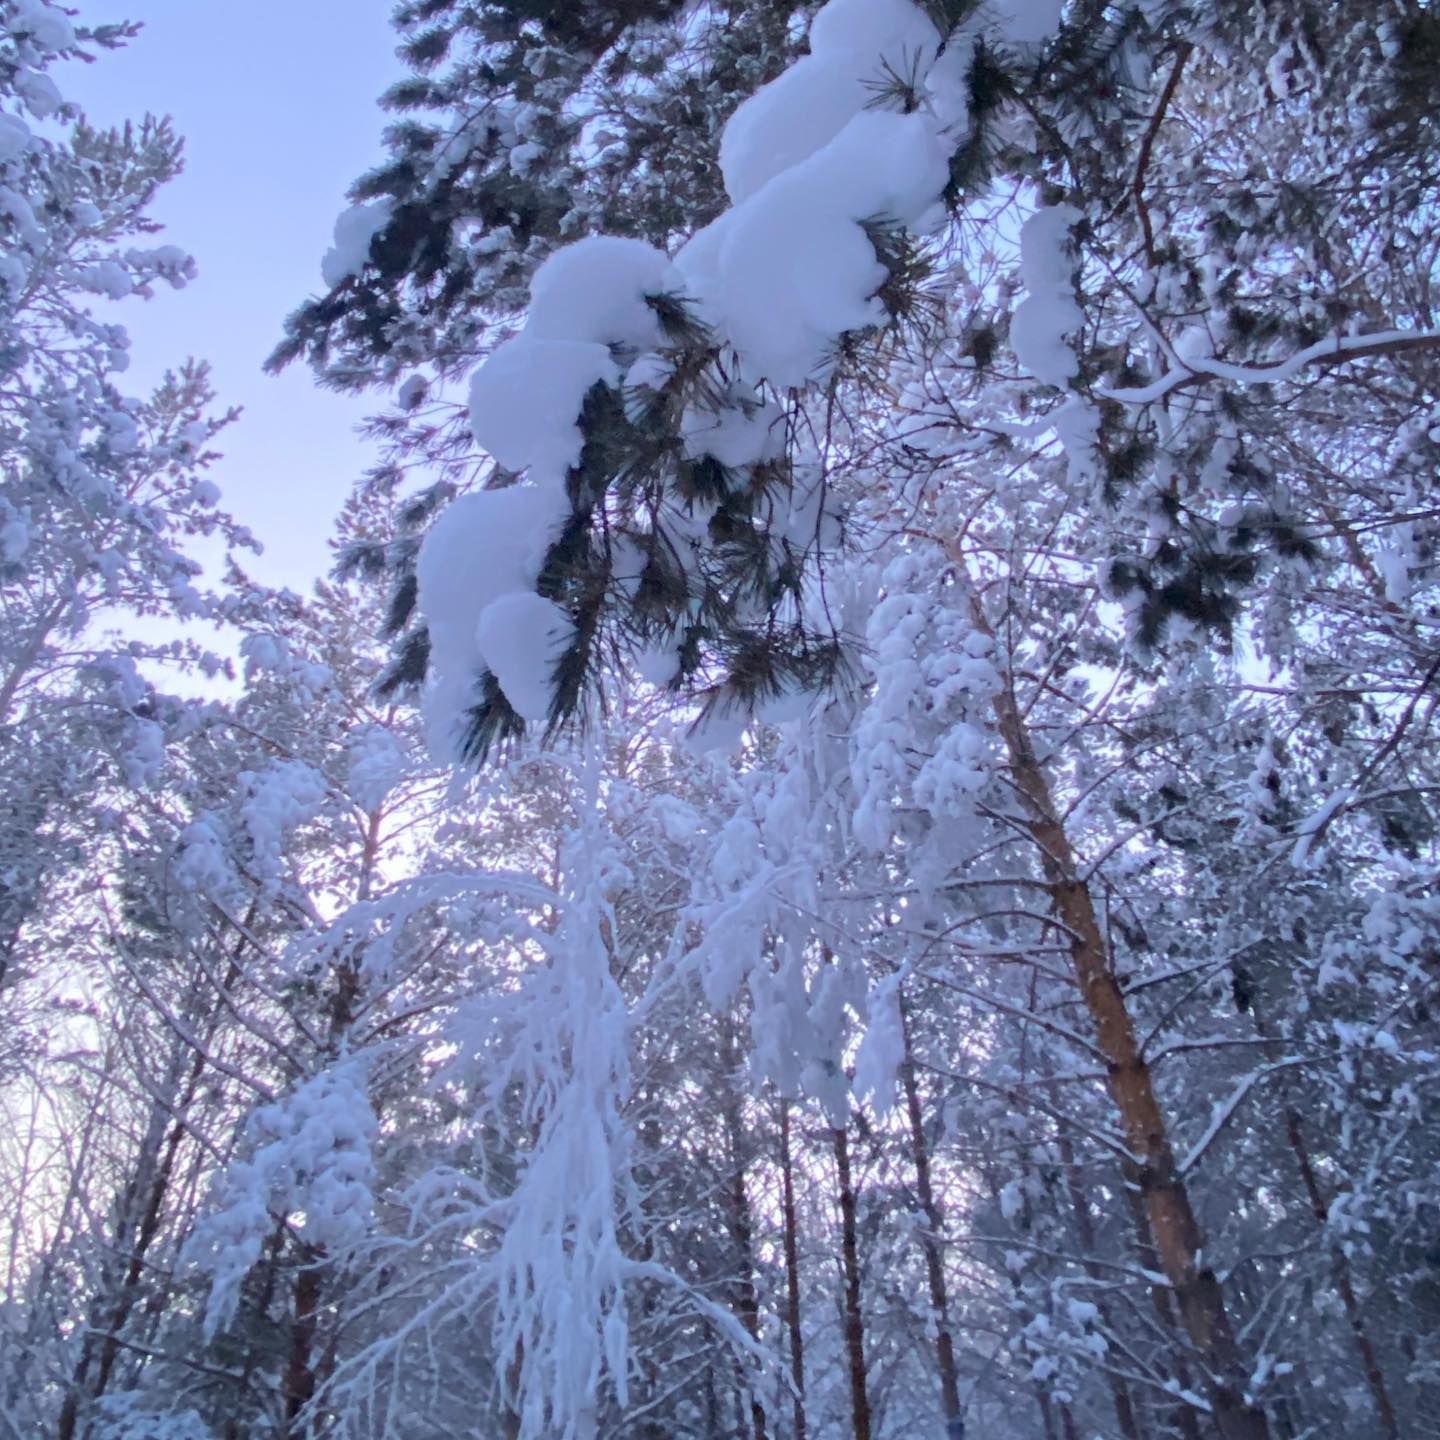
(595,291)
(521,636)
(48,27)
(355,229)
(525,401)
(1041,322)
(485,545)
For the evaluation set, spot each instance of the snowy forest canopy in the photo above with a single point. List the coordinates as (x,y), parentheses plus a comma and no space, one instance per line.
(849,851)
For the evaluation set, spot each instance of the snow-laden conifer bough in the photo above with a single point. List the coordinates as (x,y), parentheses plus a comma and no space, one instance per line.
(640,412)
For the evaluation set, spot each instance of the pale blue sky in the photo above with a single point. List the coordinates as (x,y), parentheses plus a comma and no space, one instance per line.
(276,100)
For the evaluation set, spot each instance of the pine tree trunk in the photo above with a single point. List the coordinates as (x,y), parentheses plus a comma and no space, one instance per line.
(150,1222)
(1340,1273)
(713,1429)
(930,1236)
(300,1371)
(792,1273)
(106,1352)
(746,1301)
(1339,1265)
(1047,1414)
(1181,1416)
(256,1360)
(1067,1424)
(1085,1232)
(854,1316)
(1168,1209)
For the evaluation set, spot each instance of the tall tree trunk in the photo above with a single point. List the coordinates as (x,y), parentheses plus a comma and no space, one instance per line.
(1344,1287)
(510,1415)
(1171,1216)
(238,1426)
(1067,1423)
(746,1301)
(300,1371)
(1085,1231)
(854,1316)
(1339,1264)
(150,1223)
(102,1348)
(28,1348)
(792,1273)
(930,1235)
(1047,1414)
(1181,1415)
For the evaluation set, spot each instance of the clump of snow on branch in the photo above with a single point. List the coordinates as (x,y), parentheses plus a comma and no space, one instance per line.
(525,401)
(882,1050)
(796,267)
(14,138)
(745,430)
(852,45)
(812,167)
(479,564)
(279,798)
(355,230)
(1048,313)
(273,654)
(522,636)
(933,676)
(202,864)
(561,1269)
(39,92)
(596,289)
(312,1154)
(546,1058)
(485,546)
(42,24)
(377,763)
(809,164)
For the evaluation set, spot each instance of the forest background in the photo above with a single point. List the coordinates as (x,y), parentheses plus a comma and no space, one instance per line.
(847,846)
